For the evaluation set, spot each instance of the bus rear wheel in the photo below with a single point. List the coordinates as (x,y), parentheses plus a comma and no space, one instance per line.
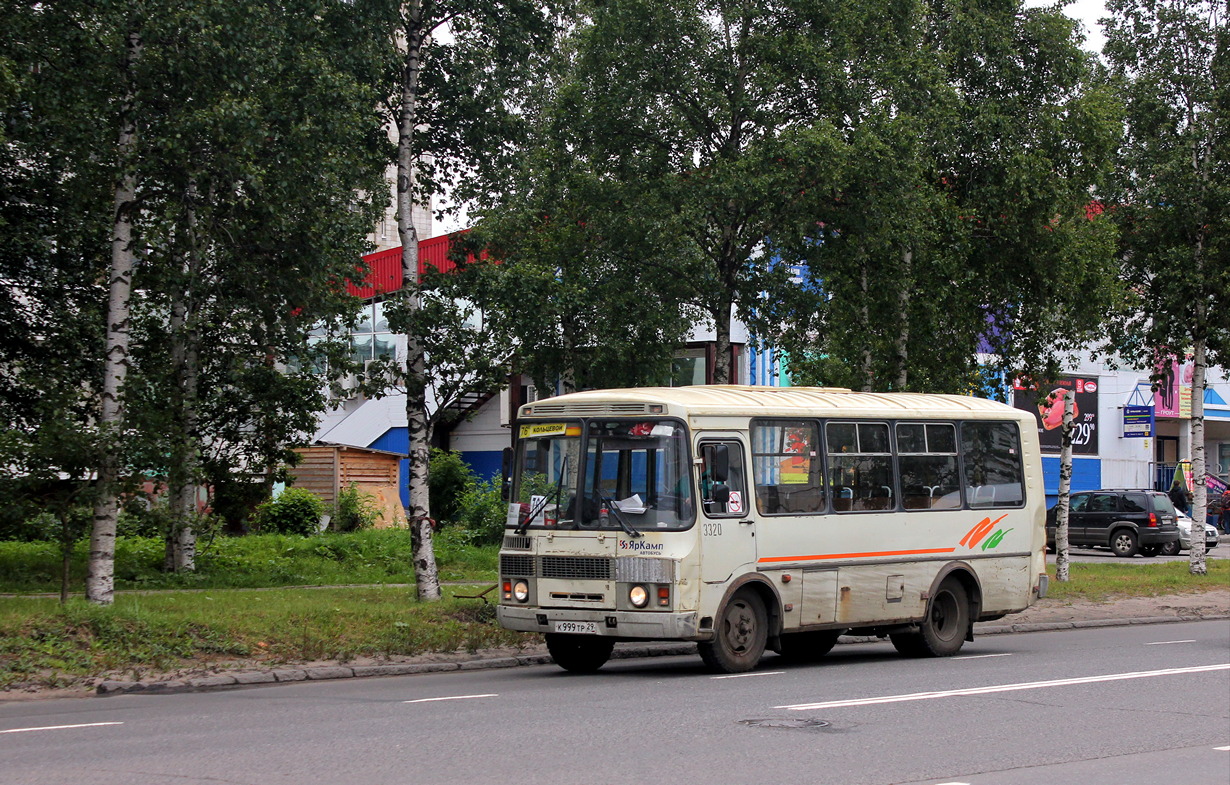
(740,636)
(807,646)
(579,653)
(942,632)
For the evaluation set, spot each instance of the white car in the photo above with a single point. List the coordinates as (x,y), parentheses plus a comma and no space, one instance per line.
(1185,537)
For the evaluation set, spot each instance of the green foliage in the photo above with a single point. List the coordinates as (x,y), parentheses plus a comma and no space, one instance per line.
(471,510)
(447,476)
(354,510)
(1171,198)
(295,511)
(374,556)
(481,512)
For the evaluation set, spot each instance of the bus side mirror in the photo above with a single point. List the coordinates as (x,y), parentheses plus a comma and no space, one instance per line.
(719,462)
(720,493)
(506,460)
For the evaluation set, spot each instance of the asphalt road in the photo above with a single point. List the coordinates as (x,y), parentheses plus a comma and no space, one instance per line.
(1222,551)
(1135,705)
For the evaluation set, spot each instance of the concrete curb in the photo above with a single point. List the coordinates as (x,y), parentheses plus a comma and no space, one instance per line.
(635,651)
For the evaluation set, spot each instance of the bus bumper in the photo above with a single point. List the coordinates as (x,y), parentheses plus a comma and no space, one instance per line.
(608,623)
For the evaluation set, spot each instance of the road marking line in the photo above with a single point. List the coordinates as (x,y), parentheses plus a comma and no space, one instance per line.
(745,675)
(1222,749)
(981,657)
(61,727)
(1165,643)
(1032,685)
(454,698)
(952,783)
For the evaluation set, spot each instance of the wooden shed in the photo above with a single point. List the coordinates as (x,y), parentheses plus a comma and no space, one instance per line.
(326,469)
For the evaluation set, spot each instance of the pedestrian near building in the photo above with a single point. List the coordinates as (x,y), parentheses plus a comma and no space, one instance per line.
(1179,495)
(1225,510)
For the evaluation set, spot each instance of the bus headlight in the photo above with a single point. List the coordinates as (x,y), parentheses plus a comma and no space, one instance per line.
(638,596)
(521,591)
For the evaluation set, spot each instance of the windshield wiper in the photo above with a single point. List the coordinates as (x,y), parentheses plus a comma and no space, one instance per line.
(619,517)
(542,505)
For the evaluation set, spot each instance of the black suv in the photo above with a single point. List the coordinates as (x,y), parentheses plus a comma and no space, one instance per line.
(1126,521)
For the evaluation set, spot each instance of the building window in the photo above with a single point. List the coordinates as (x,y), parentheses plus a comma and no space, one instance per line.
(371,338)
(689,367)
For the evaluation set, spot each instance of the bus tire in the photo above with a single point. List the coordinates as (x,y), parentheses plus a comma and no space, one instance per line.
(942,632)
(807,646)
(579,653)
(740,636)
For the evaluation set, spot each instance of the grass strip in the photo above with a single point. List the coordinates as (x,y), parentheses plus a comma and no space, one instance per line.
(45,644)
(1096,582)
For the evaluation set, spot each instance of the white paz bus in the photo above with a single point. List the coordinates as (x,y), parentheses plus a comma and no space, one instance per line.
(746,518)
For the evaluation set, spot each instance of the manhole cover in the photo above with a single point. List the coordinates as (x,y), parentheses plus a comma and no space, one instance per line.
(788,722)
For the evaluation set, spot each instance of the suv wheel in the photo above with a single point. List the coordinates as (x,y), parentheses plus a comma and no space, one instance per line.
(1123,543)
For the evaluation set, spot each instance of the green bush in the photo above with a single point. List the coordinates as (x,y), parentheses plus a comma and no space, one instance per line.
(295,511)
(482,512)
(448,478)
(354,511)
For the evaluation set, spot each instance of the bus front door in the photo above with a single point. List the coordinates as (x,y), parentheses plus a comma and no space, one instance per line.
(727,525)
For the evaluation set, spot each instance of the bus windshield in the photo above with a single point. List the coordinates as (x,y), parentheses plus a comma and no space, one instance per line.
(590,475)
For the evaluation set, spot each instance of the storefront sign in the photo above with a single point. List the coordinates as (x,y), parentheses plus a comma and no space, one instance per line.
(1048,409)
(1137,422)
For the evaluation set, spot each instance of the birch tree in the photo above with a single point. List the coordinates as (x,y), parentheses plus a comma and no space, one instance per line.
(1171,63)
(1062,508)
(460,71)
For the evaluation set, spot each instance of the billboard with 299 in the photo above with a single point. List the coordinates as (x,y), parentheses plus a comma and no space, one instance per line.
(1046,403)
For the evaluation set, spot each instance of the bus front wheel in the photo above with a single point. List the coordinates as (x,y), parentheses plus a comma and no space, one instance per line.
(942,632)
(740,636)
(579,653)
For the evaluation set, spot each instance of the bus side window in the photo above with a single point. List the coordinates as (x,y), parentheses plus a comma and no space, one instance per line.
(991,458)
(788,471)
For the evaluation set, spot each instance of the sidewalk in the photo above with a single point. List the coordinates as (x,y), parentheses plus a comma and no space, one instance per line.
(1046,614)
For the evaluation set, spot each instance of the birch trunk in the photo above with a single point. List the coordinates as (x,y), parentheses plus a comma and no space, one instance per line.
(1196,556)
(426,573)
(868,373)
(100,579)
(185,496)
(903,320)
(1062,560)
(721,343)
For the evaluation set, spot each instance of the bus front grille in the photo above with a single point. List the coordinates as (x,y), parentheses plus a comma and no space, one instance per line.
(517,566)
(577,568)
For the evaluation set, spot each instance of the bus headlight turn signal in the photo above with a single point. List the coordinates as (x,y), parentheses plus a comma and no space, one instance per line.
(638,596)
(521,591)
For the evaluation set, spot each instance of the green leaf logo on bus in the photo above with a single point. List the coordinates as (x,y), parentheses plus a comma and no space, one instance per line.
(981,530)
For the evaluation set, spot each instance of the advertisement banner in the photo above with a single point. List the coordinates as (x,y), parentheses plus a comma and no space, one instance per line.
(1173,397)
(1048,411)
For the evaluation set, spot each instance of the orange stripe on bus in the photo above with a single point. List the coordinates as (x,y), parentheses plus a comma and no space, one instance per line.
(818,557)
